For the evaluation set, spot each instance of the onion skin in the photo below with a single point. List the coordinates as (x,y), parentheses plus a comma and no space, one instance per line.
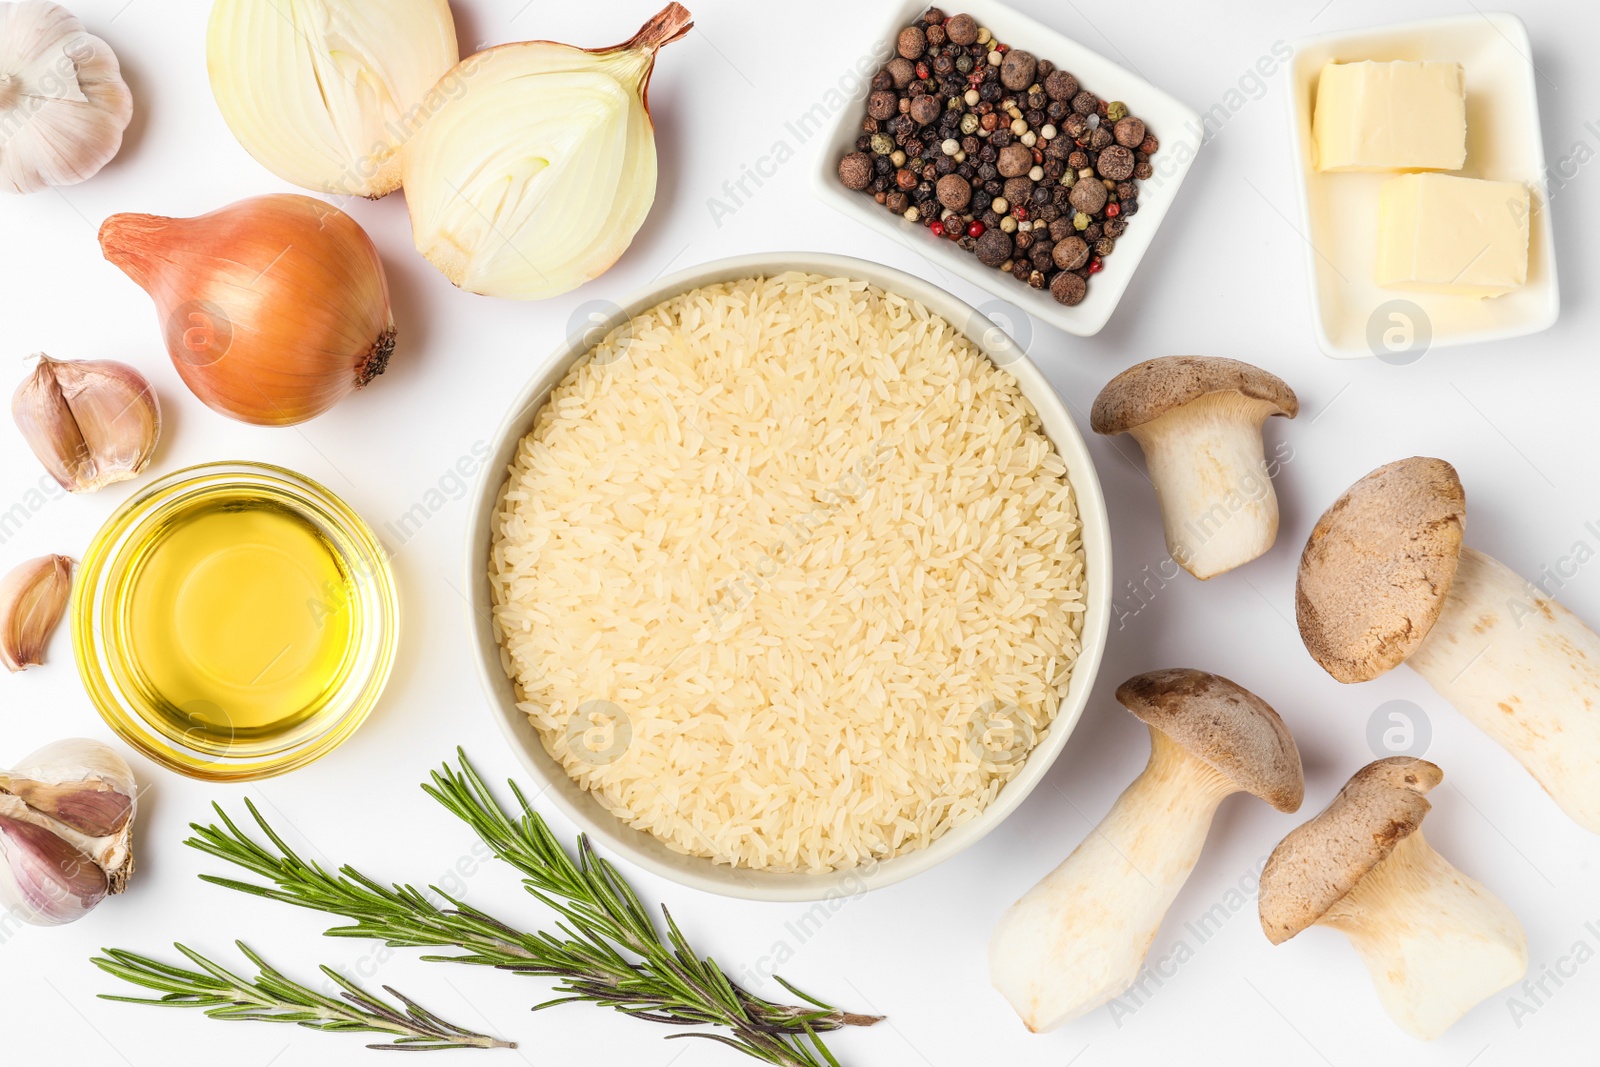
(273,309)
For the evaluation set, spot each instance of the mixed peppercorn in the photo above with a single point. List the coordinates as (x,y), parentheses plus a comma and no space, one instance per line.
(1000,152)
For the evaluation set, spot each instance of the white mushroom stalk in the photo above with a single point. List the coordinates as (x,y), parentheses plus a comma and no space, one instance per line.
(1054,962)
(1198,420)
(1385,579)
(1526,671)
(1436,942)
(1079,937)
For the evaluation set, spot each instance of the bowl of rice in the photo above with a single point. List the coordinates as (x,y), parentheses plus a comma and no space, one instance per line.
(790,576)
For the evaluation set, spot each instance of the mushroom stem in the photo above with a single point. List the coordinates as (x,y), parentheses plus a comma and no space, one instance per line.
(1435,941)
(1526,671)
(1209,469)
(1078,938)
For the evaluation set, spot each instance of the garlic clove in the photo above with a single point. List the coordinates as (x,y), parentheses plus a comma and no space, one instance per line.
(324,92)
(90,422)
(63,103)
(534,176)
(33,597)
(46,880)
(79,782)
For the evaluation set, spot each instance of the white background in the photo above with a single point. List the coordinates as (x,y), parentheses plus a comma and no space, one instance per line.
(1225,277)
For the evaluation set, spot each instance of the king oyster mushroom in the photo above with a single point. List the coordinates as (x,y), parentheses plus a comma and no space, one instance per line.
(1435,942)
(1078,938)
(1385,578)
(1198,420)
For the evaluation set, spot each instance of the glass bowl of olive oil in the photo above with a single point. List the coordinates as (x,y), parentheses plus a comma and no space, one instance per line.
(235,621)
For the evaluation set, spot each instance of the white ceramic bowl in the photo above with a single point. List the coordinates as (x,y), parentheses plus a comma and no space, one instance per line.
(1174,124)
(1352,315)
(641,848)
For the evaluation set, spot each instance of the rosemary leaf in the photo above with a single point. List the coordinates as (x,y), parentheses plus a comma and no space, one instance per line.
(273,997)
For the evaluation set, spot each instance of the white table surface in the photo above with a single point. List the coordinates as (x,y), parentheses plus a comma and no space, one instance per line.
(1226,277)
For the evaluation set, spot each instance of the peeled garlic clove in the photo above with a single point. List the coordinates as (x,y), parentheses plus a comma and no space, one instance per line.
(90,422)
(324,92)
(80,783)
(45,879)
(534,176)
(63,103)
(274,308)
(33,597)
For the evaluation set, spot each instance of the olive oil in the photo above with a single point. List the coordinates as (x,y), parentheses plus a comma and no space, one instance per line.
(237,628)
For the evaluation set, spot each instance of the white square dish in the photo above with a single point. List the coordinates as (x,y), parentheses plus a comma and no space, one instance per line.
(1176,126)
(1352,315)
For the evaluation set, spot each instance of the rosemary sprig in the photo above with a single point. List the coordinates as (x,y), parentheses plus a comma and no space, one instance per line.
(606,949)
(275,998)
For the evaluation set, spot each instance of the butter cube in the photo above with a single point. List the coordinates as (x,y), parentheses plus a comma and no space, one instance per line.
(1438,233)
(1390,116)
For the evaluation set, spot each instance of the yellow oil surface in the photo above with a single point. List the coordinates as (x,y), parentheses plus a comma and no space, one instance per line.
(238,622)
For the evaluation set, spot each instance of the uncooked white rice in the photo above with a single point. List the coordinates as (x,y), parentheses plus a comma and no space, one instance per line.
(777,564)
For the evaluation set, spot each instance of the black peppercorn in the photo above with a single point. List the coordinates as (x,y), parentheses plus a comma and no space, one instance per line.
(1053,168)
(1143,171)
(883,164)
(1017,190)
(1130,208)
(934,34)
(993,188)
(1001,137)
(1034,118)
(1058,150)
(944,164)
(994,247)
(1104,246)
(1046,68)
(1036,279)
(1020,269)
(1115,227)
(990,218)
(1100,138)
(1078,160)
(987,172)
(1039,255)
(923,192)
(1075,125)
(1041,196)
(883,80)
(1092,232)
(864,143)
(869,125)
(916,89)
(1049,212)
(882,183)
(970,145)
(1127,191)
(1023,240)
(1057,110)
(1085,103)
(964,64)
(943,65)
(989,153)
(967,171)
(897,202)
(929,172)
(1037,100)
(991,92)
(1060,229)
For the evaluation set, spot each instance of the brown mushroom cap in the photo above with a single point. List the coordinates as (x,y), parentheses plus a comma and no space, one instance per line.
(1147,391)
(1224,724)
(1313,868)
(1377,566)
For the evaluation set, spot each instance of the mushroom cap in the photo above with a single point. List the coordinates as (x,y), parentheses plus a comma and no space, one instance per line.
(1377,567)
(1223,724)
(1148,390)
(1313,868)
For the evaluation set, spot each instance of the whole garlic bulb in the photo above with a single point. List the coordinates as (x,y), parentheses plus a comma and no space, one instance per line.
(66,831)
(63,103)
(324,92)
